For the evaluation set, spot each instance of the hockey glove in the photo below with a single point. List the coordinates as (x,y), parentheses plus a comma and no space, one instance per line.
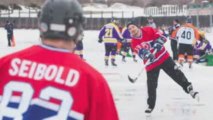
(100,40)
(158,44)
(124,40)
(146,54)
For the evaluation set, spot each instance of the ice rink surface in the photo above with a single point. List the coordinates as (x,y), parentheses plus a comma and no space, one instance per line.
(130,98)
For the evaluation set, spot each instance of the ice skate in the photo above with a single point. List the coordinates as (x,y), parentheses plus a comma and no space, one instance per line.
(190,65)
(113,63)
(106,63)
(123,59)
(135,60)
(148,110)
(195,95)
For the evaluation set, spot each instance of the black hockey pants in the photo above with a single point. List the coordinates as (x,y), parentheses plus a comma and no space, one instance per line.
(170,68)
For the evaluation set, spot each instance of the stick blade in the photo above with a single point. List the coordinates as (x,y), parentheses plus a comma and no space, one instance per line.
(132,80)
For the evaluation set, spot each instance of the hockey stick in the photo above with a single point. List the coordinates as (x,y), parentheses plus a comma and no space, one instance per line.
(131,79)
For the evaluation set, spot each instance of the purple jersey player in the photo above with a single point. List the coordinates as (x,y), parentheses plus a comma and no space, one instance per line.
(127,44)
(110,35)
(201,48)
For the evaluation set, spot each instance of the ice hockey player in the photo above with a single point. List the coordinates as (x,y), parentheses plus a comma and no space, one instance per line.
(79,47)
(110,35)
(202,48)
(9,28)
(174,43)
(145,42)
(126,46)
(187,35)
(48,81)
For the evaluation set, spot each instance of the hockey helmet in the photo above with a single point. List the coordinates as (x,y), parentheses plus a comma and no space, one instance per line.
(61,19)
(115,20)
(132,22)
(189,19)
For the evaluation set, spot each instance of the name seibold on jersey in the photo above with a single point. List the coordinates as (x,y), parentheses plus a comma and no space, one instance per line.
(39,71)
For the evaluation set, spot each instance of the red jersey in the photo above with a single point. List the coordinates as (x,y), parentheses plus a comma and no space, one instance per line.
(42,82)
(149,35)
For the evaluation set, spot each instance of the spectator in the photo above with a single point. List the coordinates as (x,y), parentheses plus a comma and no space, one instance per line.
(151,22)
(9,28)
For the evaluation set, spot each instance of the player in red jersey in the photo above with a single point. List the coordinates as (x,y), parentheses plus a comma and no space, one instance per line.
(48,81)
(145,41)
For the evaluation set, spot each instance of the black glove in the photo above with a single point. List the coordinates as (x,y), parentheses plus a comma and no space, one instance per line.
(158,44)
(146,54)
(100,40)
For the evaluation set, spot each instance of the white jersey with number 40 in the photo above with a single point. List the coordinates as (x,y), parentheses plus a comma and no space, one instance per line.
(186,35)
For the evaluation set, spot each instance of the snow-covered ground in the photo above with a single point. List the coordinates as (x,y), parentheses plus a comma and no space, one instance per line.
(172,102)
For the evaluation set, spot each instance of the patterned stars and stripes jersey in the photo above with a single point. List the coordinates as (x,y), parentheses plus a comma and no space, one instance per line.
(146,41)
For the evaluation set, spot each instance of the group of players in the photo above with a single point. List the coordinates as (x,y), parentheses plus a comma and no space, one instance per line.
(114,36)
(188,44)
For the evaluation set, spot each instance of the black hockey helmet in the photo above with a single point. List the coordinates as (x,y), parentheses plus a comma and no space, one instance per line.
(189,19)
(132,22)
(61,19)
(115,20)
